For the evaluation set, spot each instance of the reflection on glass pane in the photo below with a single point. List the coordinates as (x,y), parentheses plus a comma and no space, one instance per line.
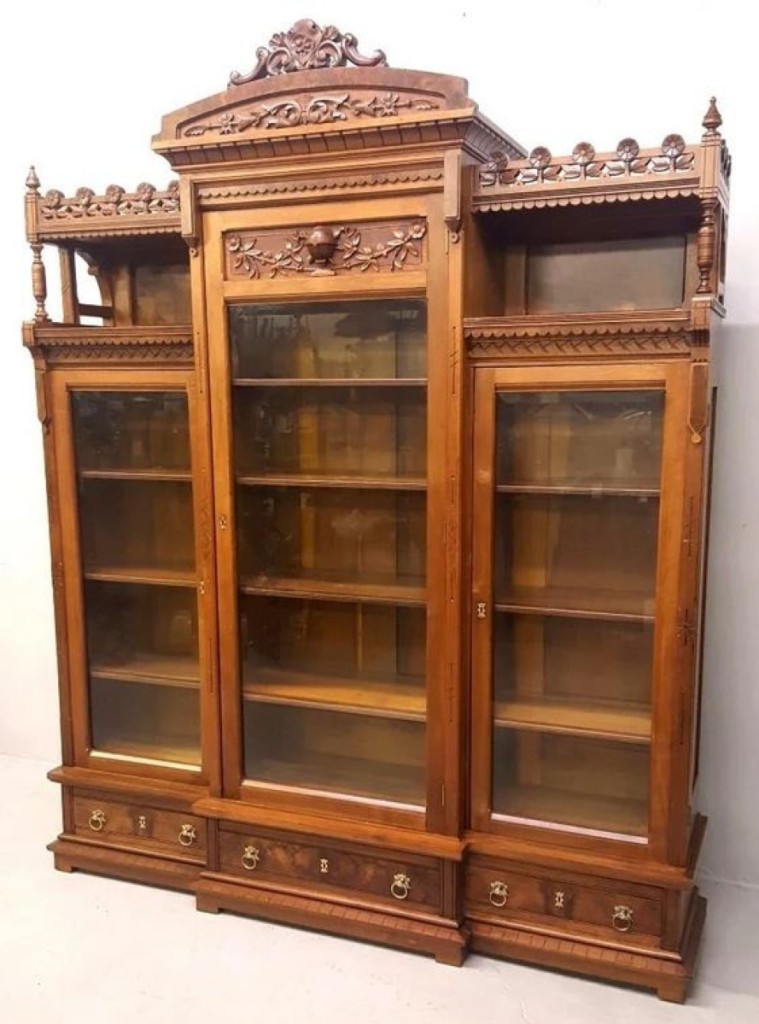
(130,524)
(330,652)
(578,552)
(137,631)
(593,784)
(340,431)
(331,533)
(145,720)
(602,438)
(131,430)
(350,754)
(373,338)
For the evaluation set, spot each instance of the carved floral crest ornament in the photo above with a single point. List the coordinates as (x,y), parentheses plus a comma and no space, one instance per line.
(307,46)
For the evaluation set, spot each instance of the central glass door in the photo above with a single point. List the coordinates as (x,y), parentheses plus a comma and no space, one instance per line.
(329,438)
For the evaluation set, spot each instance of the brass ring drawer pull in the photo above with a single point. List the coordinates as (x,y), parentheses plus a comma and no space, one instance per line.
(250,858)
(622,919)
(499,894)
(97,821)
(401,886)
(187,835)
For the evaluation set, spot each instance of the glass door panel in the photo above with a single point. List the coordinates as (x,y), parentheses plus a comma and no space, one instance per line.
(576,518)
(136,528)
(330,439)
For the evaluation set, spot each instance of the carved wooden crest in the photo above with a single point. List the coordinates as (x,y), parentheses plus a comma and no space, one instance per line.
(305,46)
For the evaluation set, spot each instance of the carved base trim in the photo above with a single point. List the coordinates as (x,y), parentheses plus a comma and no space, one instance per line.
(669,977)
(71,855)
(446,942)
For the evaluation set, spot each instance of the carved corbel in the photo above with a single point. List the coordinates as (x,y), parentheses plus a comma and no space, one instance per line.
(188,216)
(452,193)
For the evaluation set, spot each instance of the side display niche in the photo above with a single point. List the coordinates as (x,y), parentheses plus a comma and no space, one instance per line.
(377,482)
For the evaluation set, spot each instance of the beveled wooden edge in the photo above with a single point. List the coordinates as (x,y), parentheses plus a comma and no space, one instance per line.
(328,110)
(329,827)
(669,975)
(445,940)
(72,855)
(641,870)
(128,786)
(74,343)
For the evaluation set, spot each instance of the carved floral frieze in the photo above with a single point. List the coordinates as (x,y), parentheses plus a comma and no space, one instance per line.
(326,250)
(146,200)
(542,168)
(296,112)
(304,47)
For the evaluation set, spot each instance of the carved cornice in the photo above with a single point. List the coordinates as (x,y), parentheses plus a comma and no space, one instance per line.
(214,195)
(146,211)
(305,46)
(64,343)
(641,335)
(326,250)
(585,177)
(327,109)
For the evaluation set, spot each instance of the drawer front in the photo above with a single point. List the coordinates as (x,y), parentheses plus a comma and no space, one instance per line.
(147,829)
(394,881)
(501,892)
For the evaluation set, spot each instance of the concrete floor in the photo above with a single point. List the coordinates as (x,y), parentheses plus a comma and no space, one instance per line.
(75,949)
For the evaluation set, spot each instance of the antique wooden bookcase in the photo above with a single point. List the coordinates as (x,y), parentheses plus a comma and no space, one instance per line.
(377,486)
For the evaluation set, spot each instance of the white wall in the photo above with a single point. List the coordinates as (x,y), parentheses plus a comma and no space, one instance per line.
(85,86)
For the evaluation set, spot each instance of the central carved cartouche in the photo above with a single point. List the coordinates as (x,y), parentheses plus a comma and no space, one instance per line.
(321,245)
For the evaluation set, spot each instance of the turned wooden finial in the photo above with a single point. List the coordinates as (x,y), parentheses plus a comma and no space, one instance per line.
(32,181)
(712,119)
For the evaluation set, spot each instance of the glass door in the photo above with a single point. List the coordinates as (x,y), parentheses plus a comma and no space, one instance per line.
(129,509)
(329,443)
(569,494)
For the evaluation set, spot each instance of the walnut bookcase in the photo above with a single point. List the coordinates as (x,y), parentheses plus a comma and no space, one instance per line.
(377,485)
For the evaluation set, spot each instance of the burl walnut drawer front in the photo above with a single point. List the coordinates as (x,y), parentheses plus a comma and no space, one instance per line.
(502,892)
(414,882)
(148,829)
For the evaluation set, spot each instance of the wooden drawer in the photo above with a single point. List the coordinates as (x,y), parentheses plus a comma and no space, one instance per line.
(497,890)
(146,829)
(404,880)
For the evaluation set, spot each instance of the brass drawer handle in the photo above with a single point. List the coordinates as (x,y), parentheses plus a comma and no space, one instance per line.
(622,918)
(401,886)
(499,894)
(250,858)
(97,821)
(187,835)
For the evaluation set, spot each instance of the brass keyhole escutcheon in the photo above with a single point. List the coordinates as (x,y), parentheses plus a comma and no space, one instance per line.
(324,866)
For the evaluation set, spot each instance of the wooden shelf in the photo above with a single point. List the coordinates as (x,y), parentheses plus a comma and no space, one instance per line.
(352,777)
(386,698)
(150,751)
(578,810)
(624,723)
(154,577)
(332,588)
(601,489)
(611,605)
(158,475)
(388,483)
(330,382)
(152,669)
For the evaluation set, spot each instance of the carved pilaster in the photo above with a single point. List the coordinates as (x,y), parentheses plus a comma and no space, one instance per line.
(707,241)
(39,284)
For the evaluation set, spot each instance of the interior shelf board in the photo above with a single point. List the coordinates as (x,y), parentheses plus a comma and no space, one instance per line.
(358,588)
(624,723)
(158,577)
(158,475)
(330,382)
(610,488)
(183,755)
(611,605)
(390,483)
(159,670)
(352,777)
(580,810)
(386,698)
